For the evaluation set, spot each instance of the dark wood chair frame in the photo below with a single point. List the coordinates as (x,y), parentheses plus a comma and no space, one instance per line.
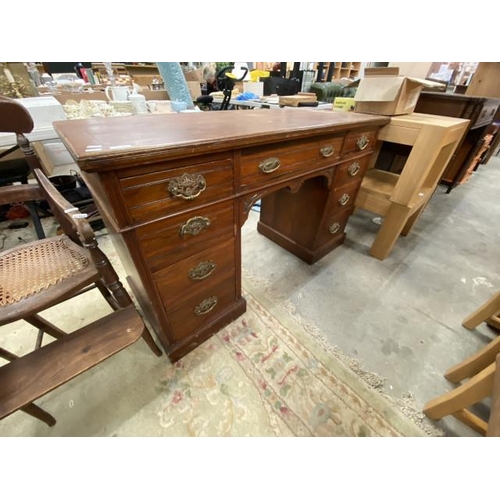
(26,378)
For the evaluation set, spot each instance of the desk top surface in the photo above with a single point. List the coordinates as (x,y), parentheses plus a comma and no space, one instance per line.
(99,140)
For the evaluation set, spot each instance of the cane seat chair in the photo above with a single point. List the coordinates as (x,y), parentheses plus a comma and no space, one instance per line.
(38,275)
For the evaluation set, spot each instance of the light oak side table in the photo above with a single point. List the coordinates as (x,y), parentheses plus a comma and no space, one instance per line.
(401,198)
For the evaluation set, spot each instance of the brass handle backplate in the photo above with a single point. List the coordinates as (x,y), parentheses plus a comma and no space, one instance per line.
(187,186)
(334,227)
(270,165)
(194,226)
(327,151)
(353,169)
(362,142)
(205,306)
(202,270)
(344,199)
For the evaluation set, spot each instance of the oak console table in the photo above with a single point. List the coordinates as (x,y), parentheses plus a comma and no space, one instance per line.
(401,198)
(174,191)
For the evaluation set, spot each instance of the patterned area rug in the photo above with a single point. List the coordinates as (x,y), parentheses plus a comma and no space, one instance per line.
(266,374)
(258,377)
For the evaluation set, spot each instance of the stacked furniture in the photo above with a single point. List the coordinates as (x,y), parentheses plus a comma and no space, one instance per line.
(480,111)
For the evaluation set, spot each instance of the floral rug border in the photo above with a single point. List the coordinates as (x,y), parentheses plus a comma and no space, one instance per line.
(285,312)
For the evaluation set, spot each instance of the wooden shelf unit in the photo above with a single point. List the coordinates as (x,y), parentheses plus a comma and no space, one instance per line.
(341,70)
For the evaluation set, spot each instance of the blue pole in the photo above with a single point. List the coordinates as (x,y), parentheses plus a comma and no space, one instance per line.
(175,82)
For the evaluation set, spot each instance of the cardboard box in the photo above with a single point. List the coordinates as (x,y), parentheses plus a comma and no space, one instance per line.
(194,89)
(194,75)
(384,94)
(155,95)
(344,104)
(295,100)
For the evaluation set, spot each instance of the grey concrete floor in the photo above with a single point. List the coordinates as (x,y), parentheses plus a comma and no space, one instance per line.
(400,318)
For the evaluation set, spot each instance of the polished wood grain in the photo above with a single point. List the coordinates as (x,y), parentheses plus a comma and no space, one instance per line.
(179,281)
(351,170)
(289,158)
(162,242)
(177,135)
(292,156)
(151,195)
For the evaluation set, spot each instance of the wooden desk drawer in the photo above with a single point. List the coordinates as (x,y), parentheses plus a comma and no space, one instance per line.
(201,308)
(343,197)
(178,282)
(487,114)
(155,194)
(267,163)
(334,225)
(175,238)
(351,171)
(357,142)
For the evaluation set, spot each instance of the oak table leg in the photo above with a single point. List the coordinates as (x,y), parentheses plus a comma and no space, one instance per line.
(394,222)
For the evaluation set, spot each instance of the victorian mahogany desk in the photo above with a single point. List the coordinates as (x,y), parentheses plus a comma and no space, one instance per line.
(175,189)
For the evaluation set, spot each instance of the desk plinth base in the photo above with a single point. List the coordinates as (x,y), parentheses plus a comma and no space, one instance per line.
(183,347)
(307,255)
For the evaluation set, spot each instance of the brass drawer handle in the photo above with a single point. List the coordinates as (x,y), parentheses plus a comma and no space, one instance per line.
(194,226)
(202,270)
(327,151)
(344,199)
(334,227)
(270,165)
(353,169)
(187,186)
(362,142)
(205,306)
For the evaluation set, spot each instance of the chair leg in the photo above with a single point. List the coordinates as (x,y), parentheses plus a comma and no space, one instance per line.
(31,408)
(34,215)
(107,295)
(494,321)
(110,279)
(475,363)
(44,325)
(8,356)
(36,220)
(490,308)
(456,401)
(35,411)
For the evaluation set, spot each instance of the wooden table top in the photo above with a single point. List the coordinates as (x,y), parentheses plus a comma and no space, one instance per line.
(107,140)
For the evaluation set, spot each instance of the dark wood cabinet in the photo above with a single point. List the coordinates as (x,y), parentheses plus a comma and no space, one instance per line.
(480,111)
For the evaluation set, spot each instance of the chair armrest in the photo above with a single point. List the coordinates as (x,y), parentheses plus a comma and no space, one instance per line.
(71,219)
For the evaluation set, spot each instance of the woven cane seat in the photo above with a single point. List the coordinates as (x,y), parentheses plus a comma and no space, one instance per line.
(28,269)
